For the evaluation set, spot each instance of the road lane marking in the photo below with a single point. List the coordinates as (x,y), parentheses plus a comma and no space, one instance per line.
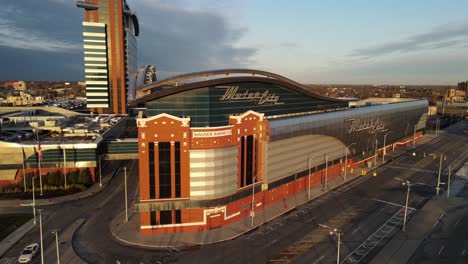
(356,230)
(317,261)
(271,243)
(441,249)
(387,202)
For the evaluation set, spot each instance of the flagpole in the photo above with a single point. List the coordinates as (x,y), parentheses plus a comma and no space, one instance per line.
(24,173)
(64,166)
(39,153)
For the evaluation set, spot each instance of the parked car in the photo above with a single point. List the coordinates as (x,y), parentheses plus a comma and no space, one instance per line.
(28,253)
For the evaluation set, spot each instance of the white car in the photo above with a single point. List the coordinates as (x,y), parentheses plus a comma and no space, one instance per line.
(28,253)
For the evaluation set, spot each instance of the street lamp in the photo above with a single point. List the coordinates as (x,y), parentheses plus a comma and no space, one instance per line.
(126,202)
(34,200)
(437,126)
(310,165)
(385,146)
(252,207)
(24,170)
(408,184)
(65,166)
(326,171)
(346,160)
(100,171)
(337,233)
(55,232)
(40,232)
(438,177)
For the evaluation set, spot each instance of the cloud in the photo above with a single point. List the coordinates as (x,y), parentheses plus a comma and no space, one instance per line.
(12,36)
(186,40)
(41,40)
(443,36)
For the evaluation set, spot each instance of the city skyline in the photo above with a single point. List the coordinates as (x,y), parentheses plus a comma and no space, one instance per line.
(310,42)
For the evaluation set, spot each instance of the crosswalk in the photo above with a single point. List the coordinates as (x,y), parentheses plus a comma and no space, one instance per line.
(382,234)
(406,168)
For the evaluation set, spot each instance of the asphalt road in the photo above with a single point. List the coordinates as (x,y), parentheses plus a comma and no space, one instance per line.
(367,211)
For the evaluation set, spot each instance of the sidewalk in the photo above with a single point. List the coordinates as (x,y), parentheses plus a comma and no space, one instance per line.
(66,237)
(403,245)
(128,233)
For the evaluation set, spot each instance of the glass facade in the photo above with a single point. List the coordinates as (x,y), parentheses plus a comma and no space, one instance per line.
(96,64)
(365,126)
(211,106)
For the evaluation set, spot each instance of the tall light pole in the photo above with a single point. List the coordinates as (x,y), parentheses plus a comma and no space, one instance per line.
(346,160)
(408,184)
(385,146)
(337,233)
(40,232)
(437,126)
(24,159)
(34,200)
(375,152)
(310,165)
(438,177)
(100,171)
(55,232)
(448,182)
(252,207)
(414,136)
(65,166)
(126,203)
(326,171)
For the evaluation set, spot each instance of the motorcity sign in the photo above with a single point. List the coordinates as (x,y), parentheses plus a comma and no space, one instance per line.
(262,98)
(356,124)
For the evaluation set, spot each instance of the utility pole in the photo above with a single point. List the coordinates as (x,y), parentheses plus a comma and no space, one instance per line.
(252,207)
(438,177)
(448,182)
(326,171)
(40,231)
(34,200)
(346,160)
(126,203)
(55,232)
(65,166)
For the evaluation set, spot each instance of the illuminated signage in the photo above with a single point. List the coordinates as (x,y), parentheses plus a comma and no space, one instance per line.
(357,124)
(205,134)
(262,98)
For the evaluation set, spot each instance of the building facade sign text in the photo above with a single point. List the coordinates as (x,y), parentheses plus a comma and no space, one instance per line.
(262,98)
(357,124)
(207,134)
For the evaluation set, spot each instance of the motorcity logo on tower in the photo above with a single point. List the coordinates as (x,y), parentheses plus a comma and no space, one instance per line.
(262,98)
(357,124)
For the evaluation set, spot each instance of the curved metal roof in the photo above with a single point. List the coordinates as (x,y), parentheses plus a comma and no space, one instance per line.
(257,76)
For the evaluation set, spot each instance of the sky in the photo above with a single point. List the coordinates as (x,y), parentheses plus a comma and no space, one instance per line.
(309,41)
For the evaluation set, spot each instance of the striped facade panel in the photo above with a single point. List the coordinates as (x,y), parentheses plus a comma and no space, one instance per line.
(96,64)
(289,156)
(213,173)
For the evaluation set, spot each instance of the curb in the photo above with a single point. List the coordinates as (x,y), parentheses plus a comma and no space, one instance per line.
(14,237)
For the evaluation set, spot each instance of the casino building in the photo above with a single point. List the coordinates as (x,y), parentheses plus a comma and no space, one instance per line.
(208,145)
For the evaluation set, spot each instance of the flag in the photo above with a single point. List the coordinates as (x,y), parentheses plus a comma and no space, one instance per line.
(39,151)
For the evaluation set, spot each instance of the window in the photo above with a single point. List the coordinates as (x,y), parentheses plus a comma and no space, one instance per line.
(165,170)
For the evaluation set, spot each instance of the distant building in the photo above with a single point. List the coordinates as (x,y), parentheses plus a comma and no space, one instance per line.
(110,53)
(17,98)
(454,95)
(19,85)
